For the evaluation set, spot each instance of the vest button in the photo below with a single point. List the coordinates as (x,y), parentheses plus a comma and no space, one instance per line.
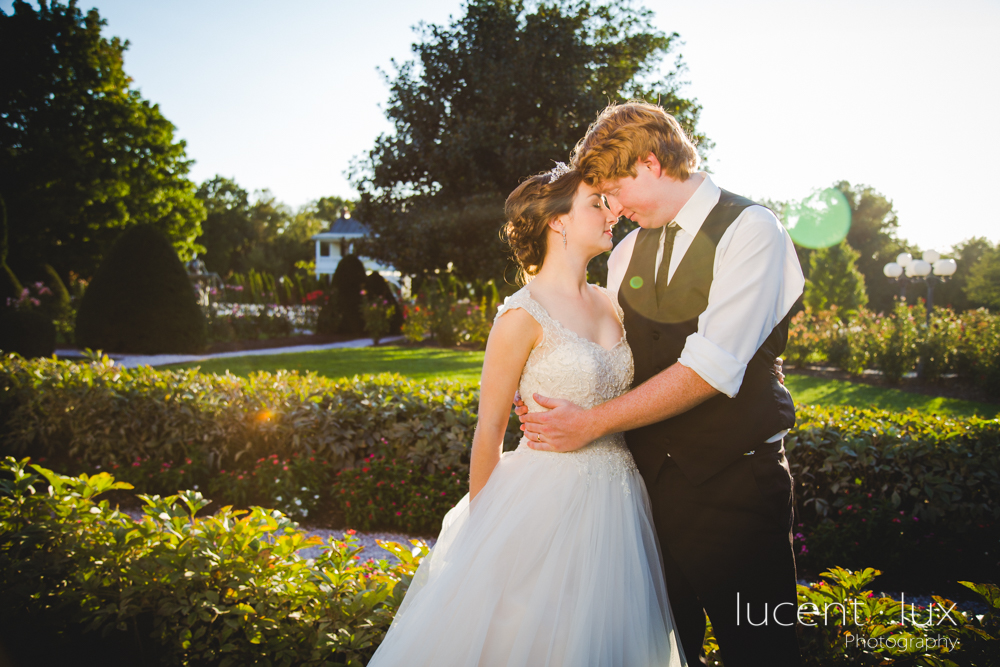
(656,335)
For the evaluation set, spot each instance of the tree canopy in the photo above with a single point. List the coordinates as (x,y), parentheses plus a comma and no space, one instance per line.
(983,286)
(501,92)
(834,280)
(83,156)
(243,232)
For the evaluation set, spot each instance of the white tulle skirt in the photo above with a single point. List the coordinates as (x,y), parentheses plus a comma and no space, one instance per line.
(555,563)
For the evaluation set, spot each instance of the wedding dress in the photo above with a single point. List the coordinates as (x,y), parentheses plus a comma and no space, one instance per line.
(557,563)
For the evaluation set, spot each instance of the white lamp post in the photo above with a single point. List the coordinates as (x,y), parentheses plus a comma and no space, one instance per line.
(929,269)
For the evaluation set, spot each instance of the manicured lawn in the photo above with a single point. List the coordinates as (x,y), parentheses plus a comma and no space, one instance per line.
(820,391)
(434,363)
(420,363)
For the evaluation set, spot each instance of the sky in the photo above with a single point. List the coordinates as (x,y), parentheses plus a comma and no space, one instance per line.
(796,94)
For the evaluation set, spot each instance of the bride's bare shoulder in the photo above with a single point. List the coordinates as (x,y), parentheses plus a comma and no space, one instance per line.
(515,327)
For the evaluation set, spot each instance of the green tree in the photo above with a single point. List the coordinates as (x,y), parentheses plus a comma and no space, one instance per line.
(227,232)
(84,155)
(873,233)
(499,93)
(240,234)
(955,292)
(329,209)
(984,280)
(834,280)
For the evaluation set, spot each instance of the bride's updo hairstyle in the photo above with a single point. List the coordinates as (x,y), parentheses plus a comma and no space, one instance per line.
(528,211)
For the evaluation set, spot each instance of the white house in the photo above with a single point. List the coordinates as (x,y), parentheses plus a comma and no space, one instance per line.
(338,242)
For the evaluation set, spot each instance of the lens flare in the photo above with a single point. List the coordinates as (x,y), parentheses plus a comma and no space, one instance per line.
(820,220)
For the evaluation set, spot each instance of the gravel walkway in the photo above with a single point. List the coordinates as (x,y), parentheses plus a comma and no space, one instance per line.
(366,540)
(134,361)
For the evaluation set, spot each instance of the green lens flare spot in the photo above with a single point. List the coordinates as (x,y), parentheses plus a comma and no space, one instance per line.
(820,220)
(635,282)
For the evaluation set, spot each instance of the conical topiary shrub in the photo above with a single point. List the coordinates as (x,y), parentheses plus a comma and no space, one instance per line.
(141,299)
(376,286)
(349,279)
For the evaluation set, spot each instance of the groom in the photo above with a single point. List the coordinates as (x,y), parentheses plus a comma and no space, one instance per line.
(706,285)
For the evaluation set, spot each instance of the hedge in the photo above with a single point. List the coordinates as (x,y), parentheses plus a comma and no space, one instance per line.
(78,577)
(915,495)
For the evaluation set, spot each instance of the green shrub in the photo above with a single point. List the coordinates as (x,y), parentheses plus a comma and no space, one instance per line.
(389,492)
(349,280)
(282,438)
(230,589)
(27,332)
(842,622)
(897,341)
(967,344)
(223,590)
(915,494)
(939,345)
(378,314)
(141,299)
(377,286)
(816,337)
(978,353)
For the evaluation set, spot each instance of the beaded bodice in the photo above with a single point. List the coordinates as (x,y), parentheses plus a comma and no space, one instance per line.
(568,366)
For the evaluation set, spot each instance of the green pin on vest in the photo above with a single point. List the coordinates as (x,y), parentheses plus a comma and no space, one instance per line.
(635,282)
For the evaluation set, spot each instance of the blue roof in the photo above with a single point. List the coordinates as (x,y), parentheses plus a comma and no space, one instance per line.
(343,227)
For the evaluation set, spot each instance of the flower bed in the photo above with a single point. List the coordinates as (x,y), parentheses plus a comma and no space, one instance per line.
(249,321)
(963,344)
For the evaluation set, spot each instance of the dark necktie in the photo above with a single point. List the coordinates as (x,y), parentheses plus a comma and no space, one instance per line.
(664,271)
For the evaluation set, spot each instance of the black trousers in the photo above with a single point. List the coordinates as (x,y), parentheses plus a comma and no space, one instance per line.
(727,551)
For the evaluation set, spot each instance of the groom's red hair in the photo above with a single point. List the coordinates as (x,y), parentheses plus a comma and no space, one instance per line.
(625,133)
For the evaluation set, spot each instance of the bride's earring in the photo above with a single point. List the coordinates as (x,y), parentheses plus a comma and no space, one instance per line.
(564,238)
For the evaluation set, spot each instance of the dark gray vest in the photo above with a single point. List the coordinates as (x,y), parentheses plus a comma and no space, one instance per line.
(714,434)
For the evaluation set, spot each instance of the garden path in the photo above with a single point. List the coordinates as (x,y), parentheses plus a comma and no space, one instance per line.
(136,360)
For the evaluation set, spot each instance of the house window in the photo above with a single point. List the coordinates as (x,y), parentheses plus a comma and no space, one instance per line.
(324,249)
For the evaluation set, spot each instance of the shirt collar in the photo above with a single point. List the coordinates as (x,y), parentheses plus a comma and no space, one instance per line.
(692,215)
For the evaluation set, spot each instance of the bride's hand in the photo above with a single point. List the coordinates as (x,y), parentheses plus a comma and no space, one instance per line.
(519,407)
(563,428)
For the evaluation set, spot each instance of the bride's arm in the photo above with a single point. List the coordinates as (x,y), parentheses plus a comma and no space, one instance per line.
(513,336)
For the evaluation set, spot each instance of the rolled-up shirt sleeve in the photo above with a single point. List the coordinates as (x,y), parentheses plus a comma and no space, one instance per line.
(757,281)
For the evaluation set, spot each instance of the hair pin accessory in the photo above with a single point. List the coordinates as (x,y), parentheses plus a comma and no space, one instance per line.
(558,171)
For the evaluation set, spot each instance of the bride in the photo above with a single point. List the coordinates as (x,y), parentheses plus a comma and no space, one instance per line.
(551,559)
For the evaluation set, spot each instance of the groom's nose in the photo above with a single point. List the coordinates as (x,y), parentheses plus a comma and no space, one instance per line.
(615,205)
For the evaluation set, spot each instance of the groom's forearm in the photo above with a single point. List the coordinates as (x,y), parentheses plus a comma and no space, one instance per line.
(665,395)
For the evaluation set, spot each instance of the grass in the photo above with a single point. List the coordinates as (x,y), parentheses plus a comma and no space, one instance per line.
(420,363)
(820,391)
(427,363)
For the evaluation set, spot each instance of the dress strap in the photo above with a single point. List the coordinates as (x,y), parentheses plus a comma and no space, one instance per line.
(522,299)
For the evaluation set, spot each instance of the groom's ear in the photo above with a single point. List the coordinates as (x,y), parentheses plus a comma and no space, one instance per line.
(652,163)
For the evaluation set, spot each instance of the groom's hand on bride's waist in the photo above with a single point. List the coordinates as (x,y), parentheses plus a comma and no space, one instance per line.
(563,428)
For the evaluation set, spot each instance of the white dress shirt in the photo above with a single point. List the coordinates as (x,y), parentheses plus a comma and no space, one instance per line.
(757,279)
